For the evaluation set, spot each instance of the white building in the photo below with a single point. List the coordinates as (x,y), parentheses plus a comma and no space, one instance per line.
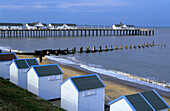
(146,101)
(62,26)
(18,71)
(5,60)
(123,26)
(45,81)
(83,93)
(10,26)
(36,25)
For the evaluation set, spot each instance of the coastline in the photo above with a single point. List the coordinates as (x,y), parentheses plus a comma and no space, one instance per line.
(115,87)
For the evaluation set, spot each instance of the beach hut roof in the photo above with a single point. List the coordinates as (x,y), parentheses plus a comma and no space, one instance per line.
(1,51)
(21,64)
(147,101)
(155,100)
(7,56)
(11,24)
(32,62)
(25,63)
(47,70)
(87,82)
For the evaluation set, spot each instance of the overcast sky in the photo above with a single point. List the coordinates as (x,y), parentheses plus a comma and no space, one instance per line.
(91,12)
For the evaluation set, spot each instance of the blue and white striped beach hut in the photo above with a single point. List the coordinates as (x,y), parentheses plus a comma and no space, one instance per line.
(18,71)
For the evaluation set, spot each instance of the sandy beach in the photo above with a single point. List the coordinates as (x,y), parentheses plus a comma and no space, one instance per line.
(115,88)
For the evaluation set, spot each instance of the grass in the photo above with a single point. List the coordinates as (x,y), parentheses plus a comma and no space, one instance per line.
(14,98)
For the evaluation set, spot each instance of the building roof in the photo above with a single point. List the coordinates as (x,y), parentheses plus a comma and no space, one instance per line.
(155,100)
(25,63)
(87,82)
(139,102)
(1,51)
(61,24)
(7,56)
(21,64)
(36,23)
(146,101)
(11,24)
(130,25)
(32,62)
(47,70)
(71,24)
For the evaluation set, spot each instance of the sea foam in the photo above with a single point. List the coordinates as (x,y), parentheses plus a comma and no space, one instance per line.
(113,73)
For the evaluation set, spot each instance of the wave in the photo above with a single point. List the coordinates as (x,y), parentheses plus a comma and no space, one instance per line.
(5,48)
(113,73)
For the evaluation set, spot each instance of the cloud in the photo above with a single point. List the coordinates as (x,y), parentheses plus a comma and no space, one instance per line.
(74,6)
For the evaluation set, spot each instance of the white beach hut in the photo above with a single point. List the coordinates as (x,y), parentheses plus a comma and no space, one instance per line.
(45,81)
(83,93)
(18,71)
(146,101)
(5,60)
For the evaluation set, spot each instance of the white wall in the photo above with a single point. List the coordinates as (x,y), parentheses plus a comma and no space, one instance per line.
(13,73)
(50,89)
(22,78)
(94,102)
(120,105)
(4,69)
(32,81)
(69,96)
(163,110)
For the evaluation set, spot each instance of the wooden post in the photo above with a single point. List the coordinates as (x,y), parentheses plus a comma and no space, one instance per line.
(116,47)
(152,32)
(106,48)
(111,48)
(121,47)
(94,49)
(81,49)
(100,48)
(134,46)
(138,46)
(125,46)
(130,46)
(87,49)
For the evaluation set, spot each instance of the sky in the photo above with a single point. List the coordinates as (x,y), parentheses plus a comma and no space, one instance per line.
(90,12)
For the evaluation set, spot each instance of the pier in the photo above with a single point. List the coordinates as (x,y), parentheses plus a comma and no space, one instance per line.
(74,32)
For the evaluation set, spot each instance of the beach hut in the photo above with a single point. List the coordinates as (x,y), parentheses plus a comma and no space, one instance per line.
(18,71)
(45,81)
(146,101)
(83,93)
(1,51)
(5,60)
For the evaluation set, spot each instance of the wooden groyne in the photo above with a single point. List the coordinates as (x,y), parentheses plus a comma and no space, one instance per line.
(87,49)
(74,32)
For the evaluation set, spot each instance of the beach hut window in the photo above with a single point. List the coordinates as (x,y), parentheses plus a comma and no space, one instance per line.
(54,77)
(6,63)
(89,92)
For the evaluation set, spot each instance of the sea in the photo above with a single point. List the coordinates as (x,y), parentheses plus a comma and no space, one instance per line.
(145,66)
